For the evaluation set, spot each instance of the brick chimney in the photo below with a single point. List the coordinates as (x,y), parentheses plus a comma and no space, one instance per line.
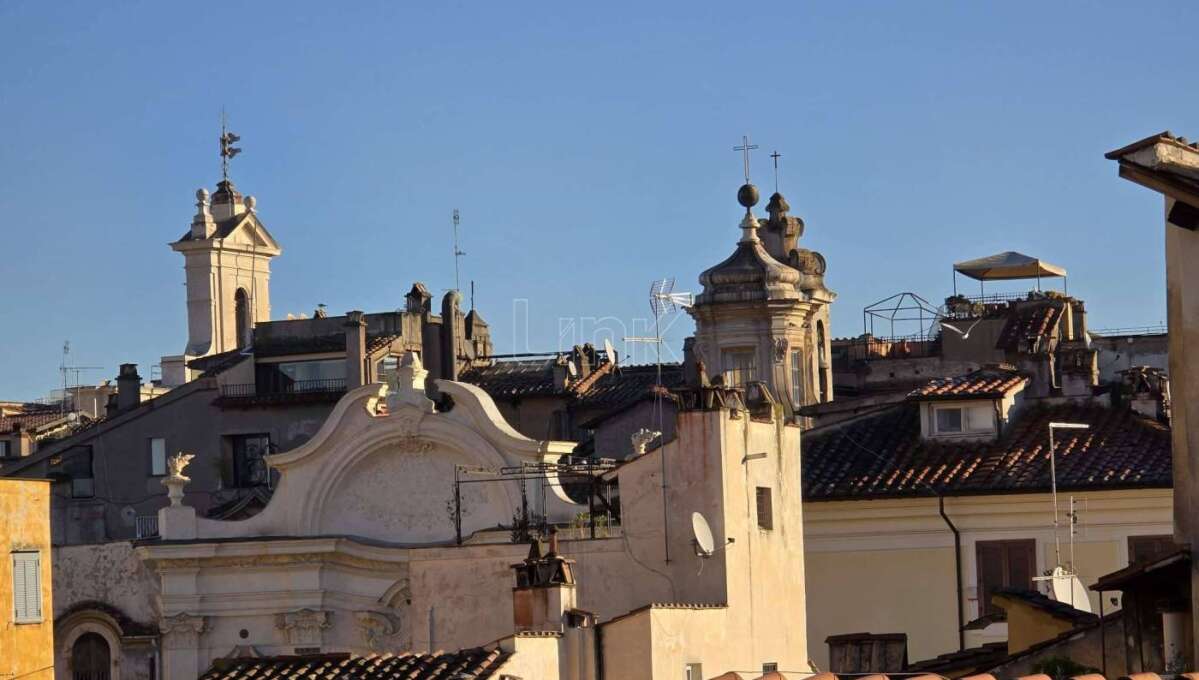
(356,370)
(129,387)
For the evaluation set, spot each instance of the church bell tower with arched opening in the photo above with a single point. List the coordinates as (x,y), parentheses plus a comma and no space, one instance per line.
(227,256)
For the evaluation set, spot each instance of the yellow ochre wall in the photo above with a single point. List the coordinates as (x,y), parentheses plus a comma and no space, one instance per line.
(26,649)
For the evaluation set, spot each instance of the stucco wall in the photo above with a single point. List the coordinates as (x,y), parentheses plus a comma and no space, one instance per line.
(26,649)
(1119,352)
(886,566)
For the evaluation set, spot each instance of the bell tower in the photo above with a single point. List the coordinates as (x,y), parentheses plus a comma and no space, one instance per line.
(227,255)
(763,313)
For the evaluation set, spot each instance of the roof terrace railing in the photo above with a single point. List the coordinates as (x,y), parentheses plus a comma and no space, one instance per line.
(328,385)
(1131,330)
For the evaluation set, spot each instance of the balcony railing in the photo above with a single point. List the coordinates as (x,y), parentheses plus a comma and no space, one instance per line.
(147,526)
(326,386)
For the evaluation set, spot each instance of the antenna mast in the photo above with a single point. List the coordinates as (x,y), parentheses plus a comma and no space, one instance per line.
(458,253)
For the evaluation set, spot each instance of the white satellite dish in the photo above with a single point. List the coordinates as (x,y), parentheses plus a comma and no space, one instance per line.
(705,545)
(1068,589)
(610,351)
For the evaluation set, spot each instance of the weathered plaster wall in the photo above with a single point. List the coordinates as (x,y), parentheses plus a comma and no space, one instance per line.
(1120,352)
(109,573)
(26,649)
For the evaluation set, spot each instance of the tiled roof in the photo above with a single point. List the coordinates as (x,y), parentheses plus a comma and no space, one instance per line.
(215,364)
(605,388)
(985,382)
(476,664)
(223,227)
(28,420)
(1059,610)
(514,379)
(884,456)
(1028,322)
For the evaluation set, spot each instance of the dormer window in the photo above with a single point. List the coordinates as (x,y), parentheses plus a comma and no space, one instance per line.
(964,419)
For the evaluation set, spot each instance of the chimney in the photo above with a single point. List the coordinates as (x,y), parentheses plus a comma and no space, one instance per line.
(545,590)
(453,334)
(129,387)
(110,407)
(356,373)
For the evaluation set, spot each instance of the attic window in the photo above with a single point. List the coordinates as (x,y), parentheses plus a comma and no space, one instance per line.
(975,419)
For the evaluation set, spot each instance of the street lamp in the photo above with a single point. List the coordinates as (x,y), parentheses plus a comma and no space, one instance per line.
(1057,545)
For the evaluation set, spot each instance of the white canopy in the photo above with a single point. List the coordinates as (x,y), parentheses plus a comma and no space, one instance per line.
(1008,265)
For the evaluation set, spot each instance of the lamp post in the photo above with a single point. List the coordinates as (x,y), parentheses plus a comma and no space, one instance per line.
(1057,545)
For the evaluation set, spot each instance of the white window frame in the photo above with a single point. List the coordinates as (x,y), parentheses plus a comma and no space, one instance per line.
(693,671)
(26,596)
(968,413)
(937,411)
(158,456)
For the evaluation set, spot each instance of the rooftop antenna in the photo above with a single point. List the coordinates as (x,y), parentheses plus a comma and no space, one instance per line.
(775,157)
(66,370)
(228,151)
(458,253)
(662,299)
(1064,583)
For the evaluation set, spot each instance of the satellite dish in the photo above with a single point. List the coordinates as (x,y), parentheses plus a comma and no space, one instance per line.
(1068,589)
(705,545)
(610,351)
(72,417)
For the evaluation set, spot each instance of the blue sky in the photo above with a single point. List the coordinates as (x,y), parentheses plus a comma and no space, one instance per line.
(587,145)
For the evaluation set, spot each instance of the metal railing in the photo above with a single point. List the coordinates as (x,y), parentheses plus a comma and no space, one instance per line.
(147,526)
(328,385)
(1130,330)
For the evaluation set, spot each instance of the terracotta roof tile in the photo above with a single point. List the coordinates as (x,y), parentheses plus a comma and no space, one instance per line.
(28,420)
(884,456)
(475,663)
(1027,324)
(985,382)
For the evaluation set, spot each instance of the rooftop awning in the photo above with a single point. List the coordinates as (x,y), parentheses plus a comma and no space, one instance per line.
(1009,265)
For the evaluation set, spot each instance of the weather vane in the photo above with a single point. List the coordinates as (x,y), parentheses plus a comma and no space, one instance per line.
(228,151)
(776,156)
(745,148)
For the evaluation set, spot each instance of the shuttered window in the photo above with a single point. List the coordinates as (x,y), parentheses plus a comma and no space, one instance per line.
(26,587)
(1003,564)
(765,509)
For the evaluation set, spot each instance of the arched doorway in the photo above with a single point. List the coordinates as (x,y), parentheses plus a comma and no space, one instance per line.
(241,312)
(91,659)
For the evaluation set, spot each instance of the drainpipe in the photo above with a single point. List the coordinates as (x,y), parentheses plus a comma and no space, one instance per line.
(957,570)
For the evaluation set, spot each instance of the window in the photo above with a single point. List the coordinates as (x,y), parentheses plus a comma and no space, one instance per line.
(960,420)
(158,457)
(5,449)
(27,587)
(241,313)
(1149,548)
(1003,564)
(74,466)
(770,667)
(385,370)
(797,377)
(740,367)
(694,671)
(244,465)
(301,376)
(949,420)
(765,509)
(822,356)
(91,659)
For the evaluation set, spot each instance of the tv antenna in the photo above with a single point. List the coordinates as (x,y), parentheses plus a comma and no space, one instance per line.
(458,253)
(66,370)
(662,300)
(1064,584)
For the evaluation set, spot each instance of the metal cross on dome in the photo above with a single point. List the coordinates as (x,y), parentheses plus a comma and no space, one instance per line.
(745,148)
